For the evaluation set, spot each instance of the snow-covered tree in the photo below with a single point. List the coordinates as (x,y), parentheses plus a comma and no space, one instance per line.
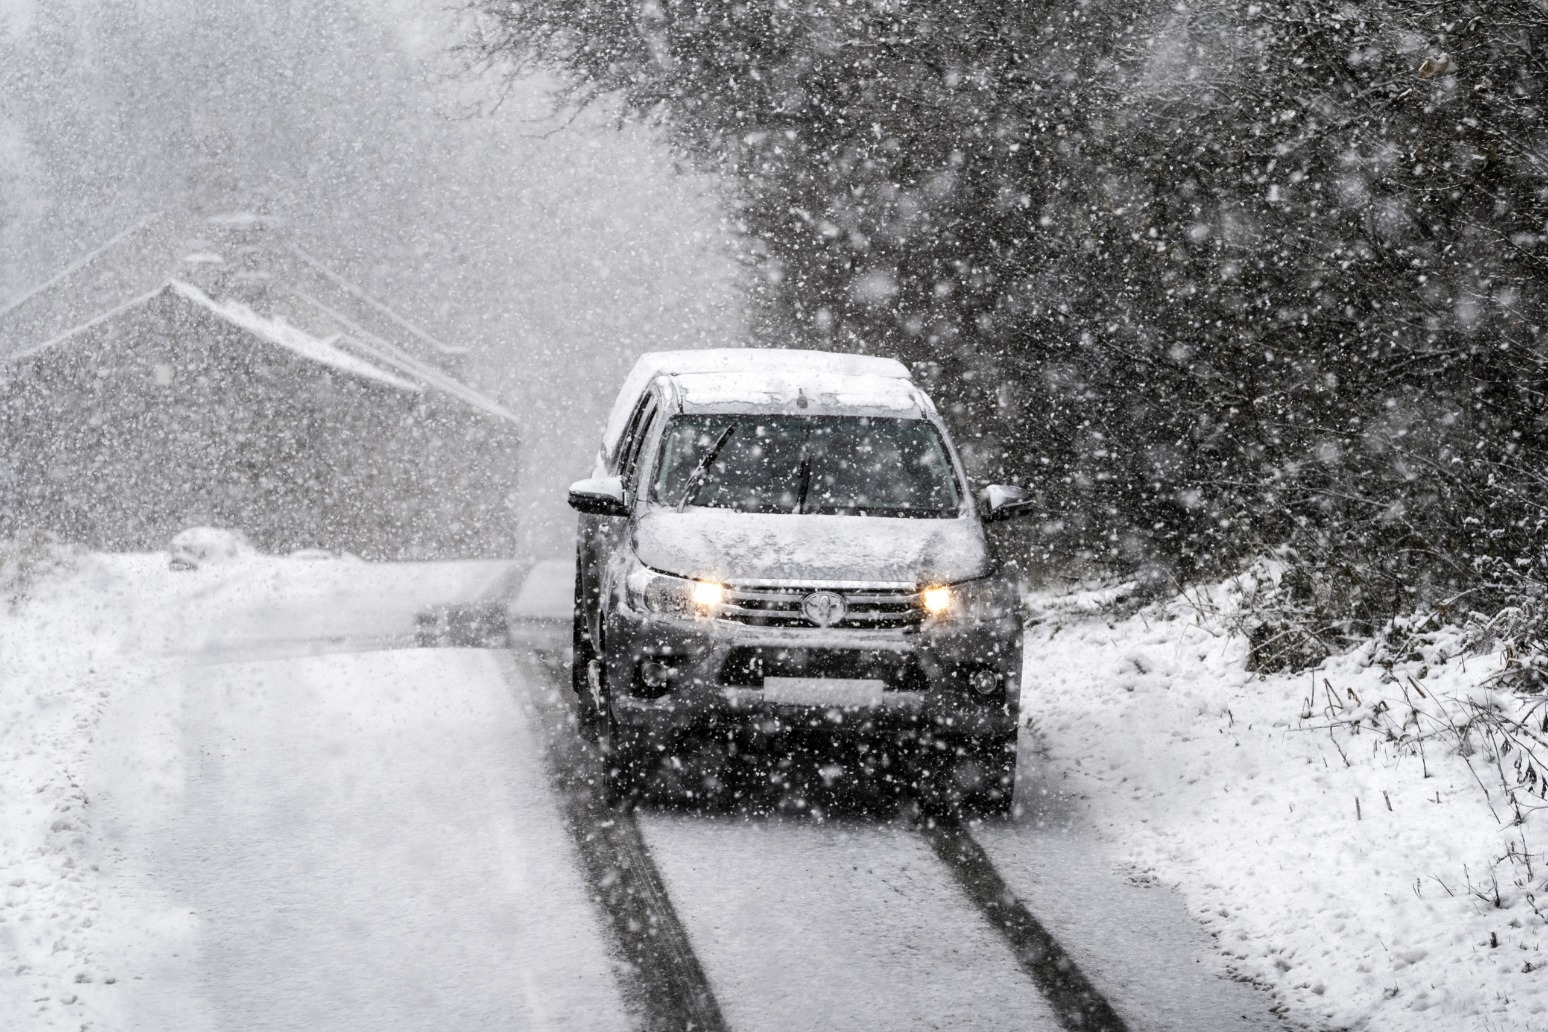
(1216,276)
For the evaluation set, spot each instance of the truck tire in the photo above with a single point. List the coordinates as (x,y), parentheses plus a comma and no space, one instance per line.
(582,656)
(995,791)
(977,777)
(623,762)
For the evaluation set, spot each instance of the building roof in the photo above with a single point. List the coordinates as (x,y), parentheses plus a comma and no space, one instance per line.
(714,379)
(247,271)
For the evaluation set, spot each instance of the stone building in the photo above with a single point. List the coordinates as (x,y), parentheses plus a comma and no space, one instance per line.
(215,374)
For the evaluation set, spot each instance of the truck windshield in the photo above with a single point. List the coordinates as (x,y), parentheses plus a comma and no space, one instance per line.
(836,465)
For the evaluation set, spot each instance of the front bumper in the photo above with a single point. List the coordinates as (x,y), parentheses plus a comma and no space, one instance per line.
(670,674)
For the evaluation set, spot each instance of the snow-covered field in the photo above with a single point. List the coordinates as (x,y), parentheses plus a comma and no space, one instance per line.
(230,792)
(199,830)
(1330,860)
(60,667)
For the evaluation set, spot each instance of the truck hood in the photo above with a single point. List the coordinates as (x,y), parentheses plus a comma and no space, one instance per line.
(738,547)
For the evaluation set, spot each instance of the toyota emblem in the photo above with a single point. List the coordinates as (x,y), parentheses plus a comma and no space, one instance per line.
(824,608)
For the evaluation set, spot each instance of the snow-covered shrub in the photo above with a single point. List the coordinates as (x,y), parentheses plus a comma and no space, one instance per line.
(1295,614)
(201,546)
(1517,634)
(1521,631)
(1329,592)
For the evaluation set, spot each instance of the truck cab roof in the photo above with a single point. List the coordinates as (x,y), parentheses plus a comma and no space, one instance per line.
(771,380)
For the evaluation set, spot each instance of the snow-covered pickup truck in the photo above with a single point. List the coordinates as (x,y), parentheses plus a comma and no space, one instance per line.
(777,543)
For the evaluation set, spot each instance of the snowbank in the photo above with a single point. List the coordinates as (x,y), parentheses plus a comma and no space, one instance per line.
(60,667)
(1326,827)
(85,937)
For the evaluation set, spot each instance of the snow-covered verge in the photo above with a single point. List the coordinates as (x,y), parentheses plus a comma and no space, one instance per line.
(85,938)
(1348,835)
(63,631)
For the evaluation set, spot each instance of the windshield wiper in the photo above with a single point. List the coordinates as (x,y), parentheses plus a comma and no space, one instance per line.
(696,478)
(806,477)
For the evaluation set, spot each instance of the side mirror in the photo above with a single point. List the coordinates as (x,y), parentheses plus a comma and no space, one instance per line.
(599,496)
(1003,502)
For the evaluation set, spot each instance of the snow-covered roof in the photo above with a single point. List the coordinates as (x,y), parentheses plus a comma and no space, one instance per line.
(276,331)
(322,350)
(360,356)
(299,304)
(358,339)
(715,378)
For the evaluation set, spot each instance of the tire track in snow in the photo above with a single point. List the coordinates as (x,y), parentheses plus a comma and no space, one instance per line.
(1080,1008)
(665,978)
(662,979)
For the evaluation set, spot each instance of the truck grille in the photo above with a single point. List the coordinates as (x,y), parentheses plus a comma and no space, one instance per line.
(868,608)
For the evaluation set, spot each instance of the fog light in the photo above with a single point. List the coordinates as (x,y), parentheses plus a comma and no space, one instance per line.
(654,674)
(984,682)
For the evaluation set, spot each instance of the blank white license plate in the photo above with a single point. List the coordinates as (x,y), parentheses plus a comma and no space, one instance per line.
(824,691)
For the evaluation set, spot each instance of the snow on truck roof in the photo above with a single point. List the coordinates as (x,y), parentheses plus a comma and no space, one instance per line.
(720,378)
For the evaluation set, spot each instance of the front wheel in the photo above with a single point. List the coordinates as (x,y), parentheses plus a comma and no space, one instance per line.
(993,789)
(978,776)
(584,672)
(623,761)
(585,669)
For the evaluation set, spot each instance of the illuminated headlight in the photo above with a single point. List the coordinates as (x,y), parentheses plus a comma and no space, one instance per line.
(675,596)
(937,599)
(706,594)
(977,600)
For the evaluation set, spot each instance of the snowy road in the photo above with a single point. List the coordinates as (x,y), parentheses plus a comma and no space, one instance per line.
(365,842)
(845,924)
(368,845)
(350,834)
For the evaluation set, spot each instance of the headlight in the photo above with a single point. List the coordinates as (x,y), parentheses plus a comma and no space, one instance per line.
(989,598)
(937,599)
(676,596)
(706,594)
